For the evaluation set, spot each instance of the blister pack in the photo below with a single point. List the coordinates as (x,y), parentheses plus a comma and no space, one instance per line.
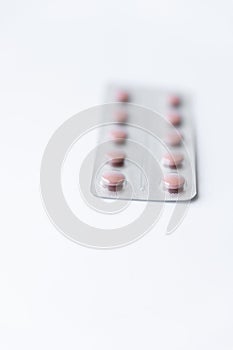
(146,148)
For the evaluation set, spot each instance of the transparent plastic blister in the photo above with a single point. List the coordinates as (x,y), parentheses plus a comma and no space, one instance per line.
(140,129)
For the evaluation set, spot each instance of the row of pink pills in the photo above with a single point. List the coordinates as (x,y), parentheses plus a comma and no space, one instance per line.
(173,182)
(115,180)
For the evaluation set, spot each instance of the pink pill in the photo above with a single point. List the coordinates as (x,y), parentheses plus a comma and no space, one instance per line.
(116,158)
(174,101)
(122,96)
(113,180)
(172,160)
(174,118)
(118,135)
(173,138)
(173,182)
(121,116)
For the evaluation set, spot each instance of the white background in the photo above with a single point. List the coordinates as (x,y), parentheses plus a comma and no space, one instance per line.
(162,292)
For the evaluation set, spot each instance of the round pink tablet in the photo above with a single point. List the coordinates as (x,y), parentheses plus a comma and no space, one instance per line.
(174,118)
(122,96)
(174,100)
(172,160)
(173,182)
(118,135)
(173,138)
(121,116)
(113,180)
(116,158)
